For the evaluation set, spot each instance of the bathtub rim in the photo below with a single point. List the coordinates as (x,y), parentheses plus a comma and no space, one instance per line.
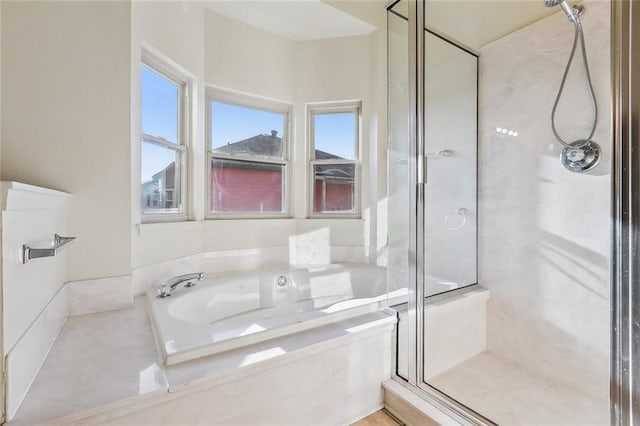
(170,358)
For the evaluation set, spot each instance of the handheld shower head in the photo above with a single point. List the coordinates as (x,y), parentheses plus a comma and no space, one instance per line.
(571,14)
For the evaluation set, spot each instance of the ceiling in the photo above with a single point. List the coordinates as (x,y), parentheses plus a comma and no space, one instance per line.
(475,23)
(294,19)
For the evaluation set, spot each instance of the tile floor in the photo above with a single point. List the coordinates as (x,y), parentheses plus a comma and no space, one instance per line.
(509,395)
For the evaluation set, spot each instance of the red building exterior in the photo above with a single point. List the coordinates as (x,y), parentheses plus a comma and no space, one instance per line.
(238,186)
(243,186)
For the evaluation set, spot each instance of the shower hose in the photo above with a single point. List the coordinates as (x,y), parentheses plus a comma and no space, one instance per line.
(578,35)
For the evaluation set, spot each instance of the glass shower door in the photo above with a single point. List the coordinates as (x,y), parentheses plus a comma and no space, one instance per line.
(449,201)
(398,177)
(450,197)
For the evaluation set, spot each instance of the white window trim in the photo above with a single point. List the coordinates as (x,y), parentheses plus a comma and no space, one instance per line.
(184,83)
(214,93)
(329,108)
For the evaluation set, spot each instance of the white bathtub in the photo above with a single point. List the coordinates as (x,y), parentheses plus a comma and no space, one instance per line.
(239,309)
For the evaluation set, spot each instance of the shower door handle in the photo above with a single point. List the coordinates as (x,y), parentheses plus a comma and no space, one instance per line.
(422,169)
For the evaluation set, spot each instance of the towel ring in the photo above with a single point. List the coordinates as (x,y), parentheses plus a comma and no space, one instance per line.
(458,212)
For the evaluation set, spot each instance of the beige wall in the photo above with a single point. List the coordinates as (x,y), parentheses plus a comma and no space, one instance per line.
(66,80)
(241,57)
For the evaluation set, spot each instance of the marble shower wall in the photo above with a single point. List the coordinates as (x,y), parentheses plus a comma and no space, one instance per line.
(544,231)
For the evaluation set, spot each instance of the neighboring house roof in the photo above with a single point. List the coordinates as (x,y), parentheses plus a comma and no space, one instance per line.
(255,146)
(270,146)
(156,177)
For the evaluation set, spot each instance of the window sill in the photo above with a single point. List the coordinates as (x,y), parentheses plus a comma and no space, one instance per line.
(149,229)
(330,216)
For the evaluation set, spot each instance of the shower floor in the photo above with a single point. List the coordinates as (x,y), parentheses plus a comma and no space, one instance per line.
(509,395)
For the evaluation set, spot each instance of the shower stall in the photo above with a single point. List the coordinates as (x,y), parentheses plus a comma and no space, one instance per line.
(501,143)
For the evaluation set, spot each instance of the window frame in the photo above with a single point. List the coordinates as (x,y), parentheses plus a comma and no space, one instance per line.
(181,147)
(313,110)
(217,94)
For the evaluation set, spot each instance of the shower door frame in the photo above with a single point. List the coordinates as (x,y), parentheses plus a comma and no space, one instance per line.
(417,169)
(625,228)
(625,224)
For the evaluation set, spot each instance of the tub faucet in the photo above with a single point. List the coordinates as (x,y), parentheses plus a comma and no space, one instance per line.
(171,284)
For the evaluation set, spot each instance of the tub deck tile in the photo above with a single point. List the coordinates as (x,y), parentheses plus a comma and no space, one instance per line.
(108,360)
(98,359)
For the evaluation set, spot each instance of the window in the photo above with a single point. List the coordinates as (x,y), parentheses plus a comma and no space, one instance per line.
(334,167)
(247,161)
(163,142)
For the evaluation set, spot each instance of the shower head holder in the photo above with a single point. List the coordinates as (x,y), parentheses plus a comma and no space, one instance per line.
(580,156)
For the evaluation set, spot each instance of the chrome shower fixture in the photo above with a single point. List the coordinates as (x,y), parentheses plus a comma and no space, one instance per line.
(581,155)
(442,153)
(572,12)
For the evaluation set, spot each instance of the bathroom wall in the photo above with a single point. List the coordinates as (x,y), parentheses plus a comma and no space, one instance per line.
(241,57)
(66,124)
(544,231)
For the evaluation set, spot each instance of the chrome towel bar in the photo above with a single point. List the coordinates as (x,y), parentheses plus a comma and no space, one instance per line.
(29,253)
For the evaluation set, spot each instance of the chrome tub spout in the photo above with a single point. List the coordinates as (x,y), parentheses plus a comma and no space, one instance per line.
(171,284)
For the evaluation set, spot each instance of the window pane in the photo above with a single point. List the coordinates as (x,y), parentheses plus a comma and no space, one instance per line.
(160,100)
(246,186)
(334,188)
(335,135)
(160,179)
(237,130)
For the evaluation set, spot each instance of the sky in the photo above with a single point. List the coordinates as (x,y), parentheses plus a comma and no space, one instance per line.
(335,134)
(159,105)
(230,123)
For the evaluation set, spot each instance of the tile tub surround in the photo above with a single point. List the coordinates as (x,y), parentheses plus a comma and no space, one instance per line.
(31,215)
(34,296)
(544,231)
(145,277)
(149,276)
(114,377)
(28,355)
